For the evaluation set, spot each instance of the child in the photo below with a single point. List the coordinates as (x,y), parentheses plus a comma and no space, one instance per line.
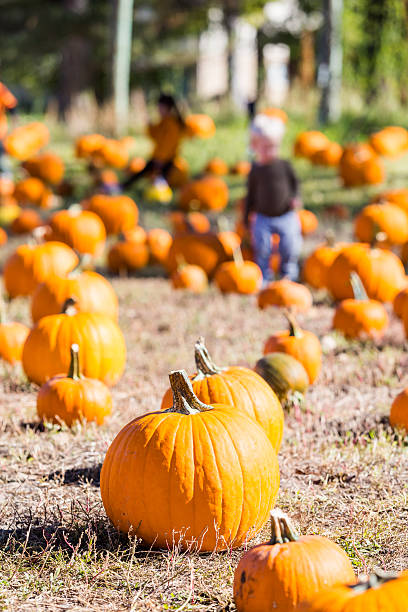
(166,135)
(271,199)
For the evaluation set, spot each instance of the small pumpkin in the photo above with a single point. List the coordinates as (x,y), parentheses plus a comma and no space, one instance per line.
(317,265)
(287,572)
(239,387)
(308,221)
(193,222)
(12,337)
(33,191)
(217,166)
(308,143)
(328,156)
(241,168)
(287,294)
(391,141)
(303,345)
(238,276)
(159,242)
(127,255)
(190,277)
(136,164)
(203,194)
(387,218)
(179,173)
(360,165)
(196,475)
(26,140)
(275,113)
(26,222)
(284,374)
(399,302)
(200,125)
(118,213)
(48,167)
(83,230)
(113,153)
(88,144)
(204,250)
(399,411)
(393,196)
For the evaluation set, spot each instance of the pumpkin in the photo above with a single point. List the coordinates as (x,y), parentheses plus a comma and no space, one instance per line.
(3,237)
(82,230)
(301,344)
(8,212)
(12,337)
(87,145)
(190,277)
(194,222)
(206,193)
(201,126)
(73,397)
(329,156)
(217,166)
(404,253)
(26,140)
(286,293)
(91,291)
(159,242)
(26,222)
(404,317)
(289,570)
(118,213)
(32,191)
(387,218)
(360,317)
(127,255)
(238,387)
(307,143)
(238,276)
(136,165)
(276,113)
(112,153)
(308,221)
(381,592)
(178,174)
(393,196)
(33,264)
(196,475)
(284,374)
(48,167)
(205,250)
(360,165)
(399,411)
(102,346)
(317,265)
(390,141)
(399,302)
(381,272)
(137,234)
(241,168)
(230,241)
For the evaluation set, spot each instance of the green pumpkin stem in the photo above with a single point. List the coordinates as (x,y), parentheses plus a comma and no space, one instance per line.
(184,399)
(294,329)
(374,581)
(204,364)
(282,529)
(69,307)
(74,371)
(359,291)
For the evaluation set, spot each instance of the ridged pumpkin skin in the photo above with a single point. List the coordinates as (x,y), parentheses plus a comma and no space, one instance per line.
(204,250)
(316,267)
(286,293)
(399,410)
(73,397)
(238,387)
(82,230)
(190,277)
(379,594)
(283,373)
(236,277)
(287,572)
(30,265)
(203,476)
(206,193)
(388,218)
(90,290)
(102,346)
(118,213)
(381,272)
(301,344)
(361,318)
(12,338)
(308,221)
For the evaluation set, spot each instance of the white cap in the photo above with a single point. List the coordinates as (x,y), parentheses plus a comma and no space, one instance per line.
(272,128)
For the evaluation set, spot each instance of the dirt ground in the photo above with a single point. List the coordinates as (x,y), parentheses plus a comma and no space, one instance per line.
(343,470)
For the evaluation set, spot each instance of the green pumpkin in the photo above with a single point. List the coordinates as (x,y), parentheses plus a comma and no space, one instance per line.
(284,373)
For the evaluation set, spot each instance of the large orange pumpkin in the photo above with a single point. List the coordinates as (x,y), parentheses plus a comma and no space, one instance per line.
(73,397)
(236,386)
(308,143)
(118,213)
(393,196)
(82,230)
(328,156)
(190,277)
(33,264)
(200,125)
(399,302)
(127,255)
(238,276)
(197,476)
(26,140)
(360,165)
(49,167)
(390,141)
(46,352)
(286,293)
(206,193)
(289,570)
(317,265)
(387,218)
(87,145)
(205,250)
(113,153)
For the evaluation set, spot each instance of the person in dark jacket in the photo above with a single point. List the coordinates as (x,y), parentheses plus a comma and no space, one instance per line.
(272,199)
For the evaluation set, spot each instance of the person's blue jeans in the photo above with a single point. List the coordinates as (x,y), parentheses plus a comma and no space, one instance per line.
(290,245)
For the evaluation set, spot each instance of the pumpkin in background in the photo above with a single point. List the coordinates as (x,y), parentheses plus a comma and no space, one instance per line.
(381,273)
(399,411)
(317,265)
(33,191)
(136,165)
(217,166)
(195,456)
(287,572)
(26,222)
(307,143)
(238,387)
(33,264)
(393,196)
(113,153)
(9,211)
(82,230)
(308,221)
(390,141)
(118,213)
(137,234)
(284,374)
(230,241)
(179,173)
(190,277)
(241,168)
(46,352)
(195,222)
(91,292)
(206,193)
(360,317)
(3,237)
(329,156)
(380,592)
(303,345)
(400,300)
(404,253)
(87,145)
(204,250)
(26,140)
(12,336)
(360,165)
(276,113)
(73,397)
(201,126)
(49,167)
(387,218)
(238,276)
(286,293)
(127,255)
(159,242)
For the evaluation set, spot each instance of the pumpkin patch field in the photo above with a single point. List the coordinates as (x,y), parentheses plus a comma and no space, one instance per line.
(174,435)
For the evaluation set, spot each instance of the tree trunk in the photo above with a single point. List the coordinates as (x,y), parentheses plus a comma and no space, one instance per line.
(121,63)
(330,69)
(307,59)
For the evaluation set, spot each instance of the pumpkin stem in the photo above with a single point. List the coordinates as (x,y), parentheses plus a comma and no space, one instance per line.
(184,399)
(74,371)
(237,256)
(374,581)
(359,291)
(38,234)
(69,307)
(294,329)
(330,238)
(282,529)
(204,364)
(222,224)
